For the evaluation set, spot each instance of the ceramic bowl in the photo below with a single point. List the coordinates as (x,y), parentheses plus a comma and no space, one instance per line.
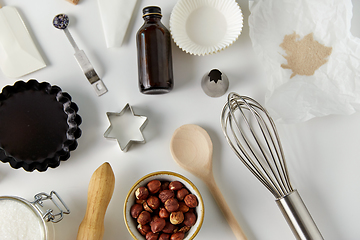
(202,27)
(131,223)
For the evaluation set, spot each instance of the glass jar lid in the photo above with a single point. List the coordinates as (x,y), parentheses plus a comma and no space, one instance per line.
(21,219)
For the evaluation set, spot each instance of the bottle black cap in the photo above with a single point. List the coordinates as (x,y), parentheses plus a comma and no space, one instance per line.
(152,10)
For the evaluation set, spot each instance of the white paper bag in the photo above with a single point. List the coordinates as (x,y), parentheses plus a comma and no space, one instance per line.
(334,88)
(115,16)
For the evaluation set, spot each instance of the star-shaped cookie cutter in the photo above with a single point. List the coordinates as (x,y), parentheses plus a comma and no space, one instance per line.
(119,114)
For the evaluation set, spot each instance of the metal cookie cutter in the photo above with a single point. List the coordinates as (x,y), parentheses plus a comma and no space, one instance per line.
(119,130)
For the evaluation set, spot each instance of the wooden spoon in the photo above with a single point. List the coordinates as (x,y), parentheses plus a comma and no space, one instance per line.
(192,149)
(100,191)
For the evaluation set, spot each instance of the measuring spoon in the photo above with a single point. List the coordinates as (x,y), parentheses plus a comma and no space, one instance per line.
(61,21)
(192,149)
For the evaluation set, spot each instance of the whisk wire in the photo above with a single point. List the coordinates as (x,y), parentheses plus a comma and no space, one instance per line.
(266,159)
(249,163)
(277,173)
(264,174)
(275,181)
(283,173)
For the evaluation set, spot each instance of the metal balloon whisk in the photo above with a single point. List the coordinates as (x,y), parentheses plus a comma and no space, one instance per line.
(252,134)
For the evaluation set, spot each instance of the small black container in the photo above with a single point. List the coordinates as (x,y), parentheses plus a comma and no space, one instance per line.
(155,70)
(39,125)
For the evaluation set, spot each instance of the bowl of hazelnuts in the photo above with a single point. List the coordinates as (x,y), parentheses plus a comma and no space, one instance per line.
(163,206)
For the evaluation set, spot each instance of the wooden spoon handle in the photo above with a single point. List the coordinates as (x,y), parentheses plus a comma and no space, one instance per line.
(220,200)
(100,191)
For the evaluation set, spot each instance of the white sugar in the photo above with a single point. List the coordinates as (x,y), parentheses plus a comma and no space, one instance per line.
(19,222)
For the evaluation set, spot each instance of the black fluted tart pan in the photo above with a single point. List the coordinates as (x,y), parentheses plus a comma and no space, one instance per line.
(39,125)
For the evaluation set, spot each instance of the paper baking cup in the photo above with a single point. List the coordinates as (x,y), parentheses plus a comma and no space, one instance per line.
(203,27)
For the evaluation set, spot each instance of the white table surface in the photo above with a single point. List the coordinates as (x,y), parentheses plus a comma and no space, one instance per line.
(322,154)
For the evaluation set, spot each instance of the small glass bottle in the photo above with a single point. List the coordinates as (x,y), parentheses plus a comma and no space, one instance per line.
(153,41)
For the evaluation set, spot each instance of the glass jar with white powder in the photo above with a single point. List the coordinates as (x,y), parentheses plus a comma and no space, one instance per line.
(25,220)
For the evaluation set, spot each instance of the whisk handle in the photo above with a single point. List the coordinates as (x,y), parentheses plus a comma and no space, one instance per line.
(220,200)
(298,217)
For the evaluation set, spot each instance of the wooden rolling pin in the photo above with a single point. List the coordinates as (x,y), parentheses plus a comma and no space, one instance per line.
(101,188)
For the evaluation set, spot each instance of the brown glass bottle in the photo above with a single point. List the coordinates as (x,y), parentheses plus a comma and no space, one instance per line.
(153,41)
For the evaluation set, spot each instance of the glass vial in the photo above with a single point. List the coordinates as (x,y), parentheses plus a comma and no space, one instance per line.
(153,42)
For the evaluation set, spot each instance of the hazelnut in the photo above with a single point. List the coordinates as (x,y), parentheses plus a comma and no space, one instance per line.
(183,207)
(135,210)
(152,236)
(164,236)
(175,185)
(164,210)
(153,202)
(177,236)
(140,201)
(144,218)
(169,228)
(182,193)
(146,207)
(165,185)
(142,193)
(165,195)
(189,219)
(191,200)
(157,225)
(184,229)
(171,205)
(153,218)
(176,217)
(163,213)
(154,186)
(143,229)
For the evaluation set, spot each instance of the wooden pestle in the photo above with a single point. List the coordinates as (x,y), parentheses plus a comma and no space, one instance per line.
(100,190)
